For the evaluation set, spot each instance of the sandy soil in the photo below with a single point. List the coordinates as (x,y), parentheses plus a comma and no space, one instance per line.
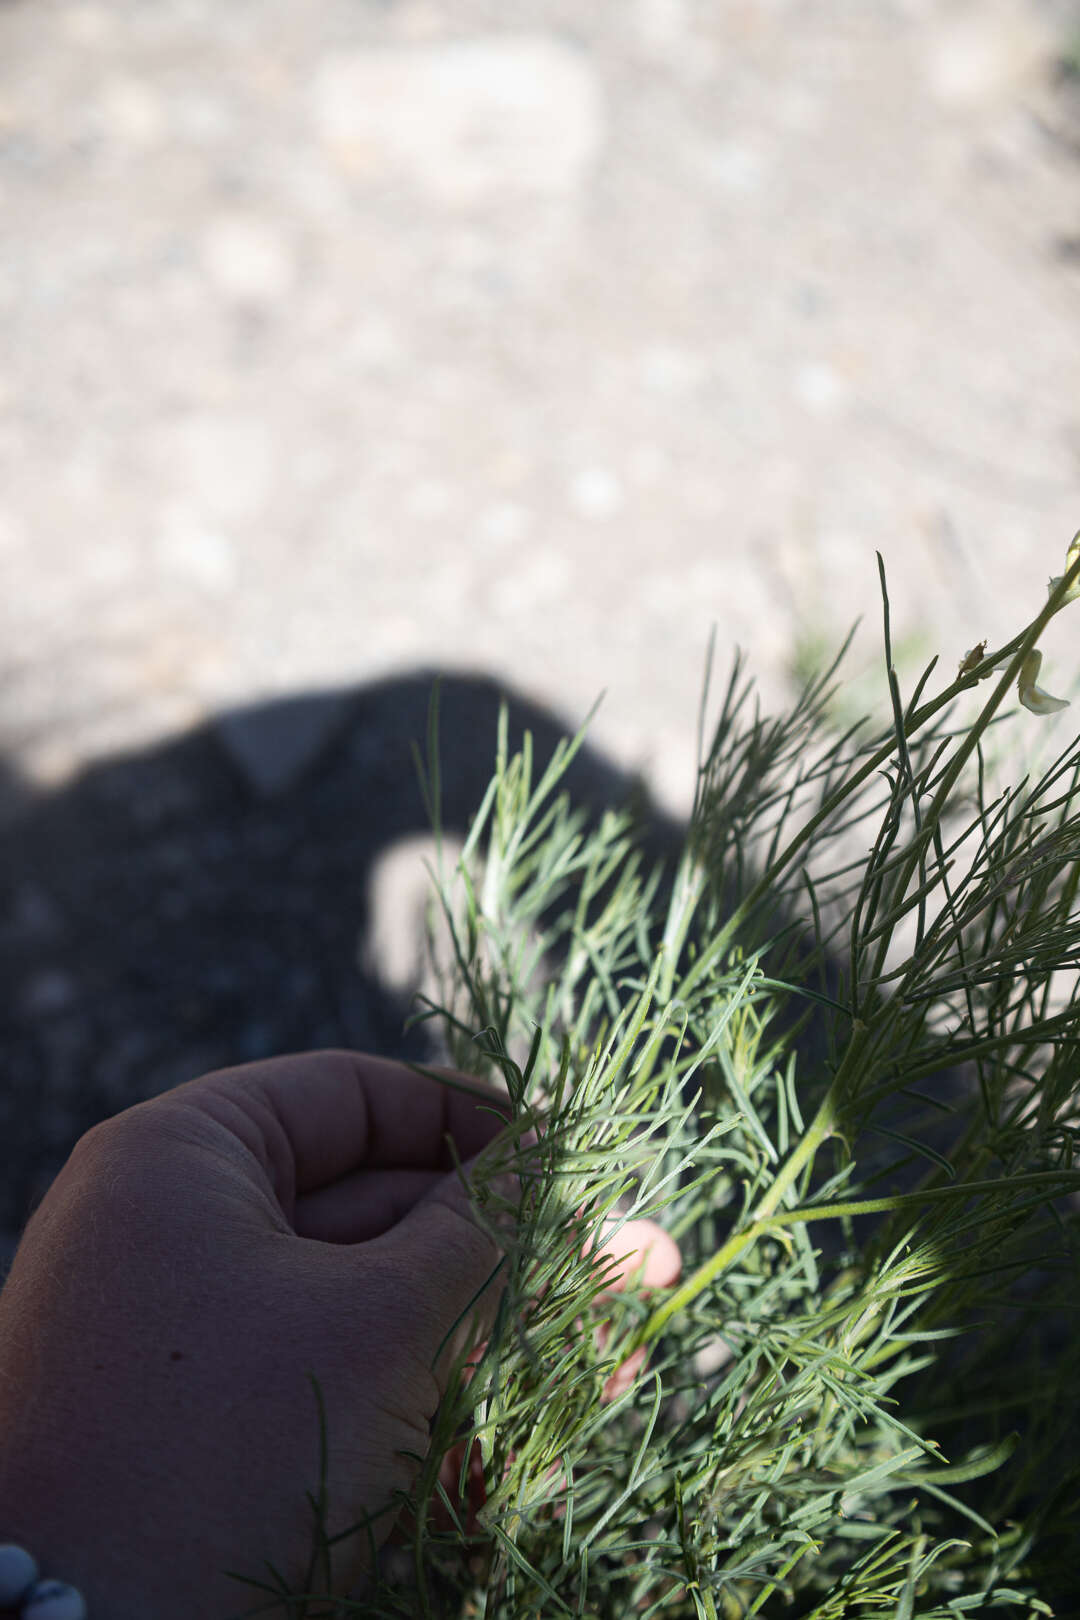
(345,342)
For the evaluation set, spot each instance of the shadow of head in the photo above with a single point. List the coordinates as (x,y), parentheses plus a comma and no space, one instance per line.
(254,886)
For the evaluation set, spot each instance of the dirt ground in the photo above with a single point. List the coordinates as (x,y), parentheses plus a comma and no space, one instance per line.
(348,342)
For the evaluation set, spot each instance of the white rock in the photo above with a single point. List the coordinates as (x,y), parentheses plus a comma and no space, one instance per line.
(204,119)
(465,121)
(131,112)
(540,581)
(430,499)
(112,563)
(662,24)
(88,24)
(668,369)
(980,55)
(248,259)
(819,388)
(504,524)
(733,165)
(648,465)
(375,345)
(222,461)
(189,551)
(597,493)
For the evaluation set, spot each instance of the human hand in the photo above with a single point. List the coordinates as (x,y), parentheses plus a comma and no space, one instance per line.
(195,1259)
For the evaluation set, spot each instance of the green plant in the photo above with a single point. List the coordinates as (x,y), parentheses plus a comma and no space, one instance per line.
(836,1053)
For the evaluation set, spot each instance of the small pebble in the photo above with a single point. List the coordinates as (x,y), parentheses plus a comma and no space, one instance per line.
(17,1572)
(53,1600)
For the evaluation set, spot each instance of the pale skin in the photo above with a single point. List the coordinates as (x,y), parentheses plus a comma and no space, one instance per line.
(198,1257)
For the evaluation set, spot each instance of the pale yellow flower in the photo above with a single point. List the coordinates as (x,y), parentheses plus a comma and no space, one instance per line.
(1071,556)
(1032,696)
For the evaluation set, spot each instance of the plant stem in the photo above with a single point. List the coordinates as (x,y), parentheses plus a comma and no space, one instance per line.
(827,1117)
(816,1133)
(1015,650)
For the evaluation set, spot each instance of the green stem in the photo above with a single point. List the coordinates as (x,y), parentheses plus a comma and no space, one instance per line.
(1026,643)
(1056,1183)
(819,1129)
(825,1121)
(1016,650)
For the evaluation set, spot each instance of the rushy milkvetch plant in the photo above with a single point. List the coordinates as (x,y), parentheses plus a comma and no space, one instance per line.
(835,1052)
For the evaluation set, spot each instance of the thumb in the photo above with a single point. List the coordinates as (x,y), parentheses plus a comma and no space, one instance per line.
(452,1269)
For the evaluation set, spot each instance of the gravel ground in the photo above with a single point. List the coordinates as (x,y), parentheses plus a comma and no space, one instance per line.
(346,342)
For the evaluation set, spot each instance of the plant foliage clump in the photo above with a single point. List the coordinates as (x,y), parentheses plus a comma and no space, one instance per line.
(835,1053)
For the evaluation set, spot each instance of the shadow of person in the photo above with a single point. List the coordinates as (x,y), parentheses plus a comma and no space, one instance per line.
(208,901)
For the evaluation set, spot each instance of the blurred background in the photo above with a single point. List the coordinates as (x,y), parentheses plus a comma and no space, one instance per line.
(347,342)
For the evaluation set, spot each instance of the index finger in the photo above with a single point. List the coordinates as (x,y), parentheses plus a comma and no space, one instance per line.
(313,1117)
